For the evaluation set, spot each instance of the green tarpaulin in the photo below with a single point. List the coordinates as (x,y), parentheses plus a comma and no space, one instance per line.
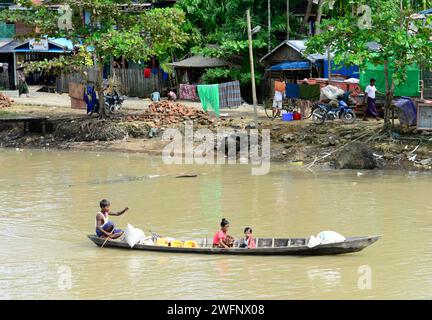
(411,87)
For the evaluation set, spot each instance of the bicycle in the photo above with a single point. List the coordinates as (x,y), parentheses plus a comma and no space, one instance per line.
(289,105)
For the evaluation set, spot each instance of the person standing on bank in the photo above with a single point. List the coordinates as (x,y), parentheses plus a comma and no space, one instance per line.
(22,84)
(370,98)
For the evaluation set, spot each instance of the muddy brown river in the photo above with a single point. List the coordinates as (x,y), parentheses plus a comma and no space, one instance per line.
(48,202)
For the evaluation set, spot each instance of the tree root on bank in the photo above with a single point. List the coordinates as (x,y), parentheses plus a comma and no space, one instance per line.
(91,129)
(373,137)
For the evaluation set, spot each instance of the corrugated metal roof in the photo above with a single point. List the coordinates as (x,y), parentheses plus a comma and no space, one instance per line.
(300,47)
(11,46)
(4,42)
(200,62)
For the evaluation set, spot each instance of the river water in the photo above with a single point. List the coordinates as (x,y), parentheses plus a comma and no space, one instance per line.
(48,201)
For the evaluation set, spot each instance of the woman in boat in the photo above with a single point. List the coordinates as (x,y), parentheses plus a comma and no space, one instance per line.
(248,241)
(221,238)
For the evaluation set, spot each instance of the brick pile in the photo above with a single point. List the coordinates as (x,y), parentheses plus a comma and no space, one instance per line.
(167,113)
(5,101)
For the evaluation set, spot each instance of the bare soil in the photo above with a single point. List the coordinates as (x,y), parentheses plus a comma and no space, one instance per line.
(298,141)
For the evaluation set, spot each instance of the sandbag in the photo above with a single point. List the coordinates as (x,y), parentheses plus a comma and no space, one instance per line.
(331,92)
(330,237)
(325,237)
(313,242)
(133,235)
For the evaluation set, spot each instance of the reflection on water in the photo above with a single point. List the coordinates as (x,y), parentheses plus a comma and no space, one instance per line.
(323,278)
(48,201)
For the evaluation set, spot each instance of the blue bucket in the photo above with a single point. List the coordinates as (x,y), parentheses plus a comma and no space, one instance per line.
(289,116)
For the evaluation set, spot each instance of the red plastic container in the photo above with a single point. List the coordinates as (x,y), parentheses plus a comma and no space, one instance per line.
(297,116)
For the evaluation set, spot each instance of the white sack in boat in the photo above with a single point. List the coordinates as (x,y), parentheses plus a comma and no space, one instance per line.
(325,237)
(133,235)
(313,241)
(330,237)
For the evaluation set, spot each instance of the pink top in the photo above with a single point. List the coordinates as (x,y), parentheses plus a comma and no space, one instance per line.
(251,242)
(218,236)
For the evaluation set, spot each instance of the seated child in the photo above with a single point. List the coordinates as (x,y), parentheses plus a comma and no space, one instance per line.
(155,96)
(248,241)
(172,96)
(105,228)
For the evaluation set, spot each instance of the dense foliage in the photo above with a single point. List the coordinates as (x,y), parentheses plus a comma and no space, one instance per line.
(220,30)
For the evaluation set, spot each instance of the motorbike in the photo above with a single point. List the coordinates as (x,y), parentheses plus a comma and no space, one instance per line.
(323,112)
(346,97)
(113,101)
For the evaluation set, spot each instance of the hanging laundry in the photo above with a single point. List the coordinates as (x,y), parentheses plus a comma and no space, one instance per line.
(229,94)
(292,90)
(165,75)
(90,98)
(155,71)
(188,92)
(147,73)
(310,91)
(280,86)
(209,95)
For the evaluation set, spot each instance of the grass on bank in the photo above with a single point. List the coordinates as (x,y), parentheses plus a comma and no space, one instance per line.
(6,114)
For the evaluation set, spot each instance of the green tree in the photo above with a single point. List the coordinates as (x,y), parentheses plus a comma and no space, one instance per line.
(220,30)
(114,31)
(402,40)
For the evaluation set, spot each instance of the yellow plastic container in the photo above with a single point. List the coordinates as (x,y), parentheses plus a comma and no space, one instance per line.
(162,242)
(177,244)
(190,244)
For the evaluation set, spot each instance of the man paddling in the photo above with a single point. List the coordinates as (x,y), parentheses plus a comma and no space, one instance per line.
(105,228)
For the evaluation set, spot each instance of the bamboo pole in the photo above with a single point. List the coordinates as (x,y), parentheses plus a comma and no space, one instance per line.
(288,19)
(269,24)
(252,66)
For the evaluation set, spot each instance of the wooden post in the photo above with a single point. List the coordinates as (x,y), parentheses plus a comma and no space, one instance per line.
(44,123)
(269,24)
(15,70)
(288,19)
(252,66)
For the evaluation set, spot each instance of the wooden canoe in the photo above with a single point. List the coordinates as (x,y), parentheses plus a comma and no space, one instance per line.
(265,246)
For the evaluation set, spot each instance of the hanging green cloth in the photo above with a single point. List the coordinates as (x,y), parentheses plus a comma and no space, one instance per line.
(309,91)
(209,95)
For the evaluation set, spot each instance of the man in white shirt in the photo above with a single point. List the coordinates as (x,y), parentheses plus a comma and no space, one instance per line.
(370,94)
(277,103)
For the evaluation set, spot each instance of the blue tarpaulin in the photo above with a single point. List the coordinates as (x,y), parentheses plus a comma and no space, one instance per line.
(292,90)
(406,111)
(291,65)
(428,11)
(347,71)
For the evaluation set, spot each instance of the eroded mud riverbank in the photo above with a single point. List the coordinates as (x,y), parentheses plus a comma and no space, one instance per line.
(362,145)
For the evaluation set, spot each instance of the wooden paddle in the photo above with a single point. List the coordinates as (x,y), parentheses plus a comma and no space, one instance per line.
(105,241)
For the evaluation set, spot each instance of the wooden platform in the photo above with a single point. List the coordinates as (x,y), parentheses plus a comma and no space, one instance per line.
(26,120)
